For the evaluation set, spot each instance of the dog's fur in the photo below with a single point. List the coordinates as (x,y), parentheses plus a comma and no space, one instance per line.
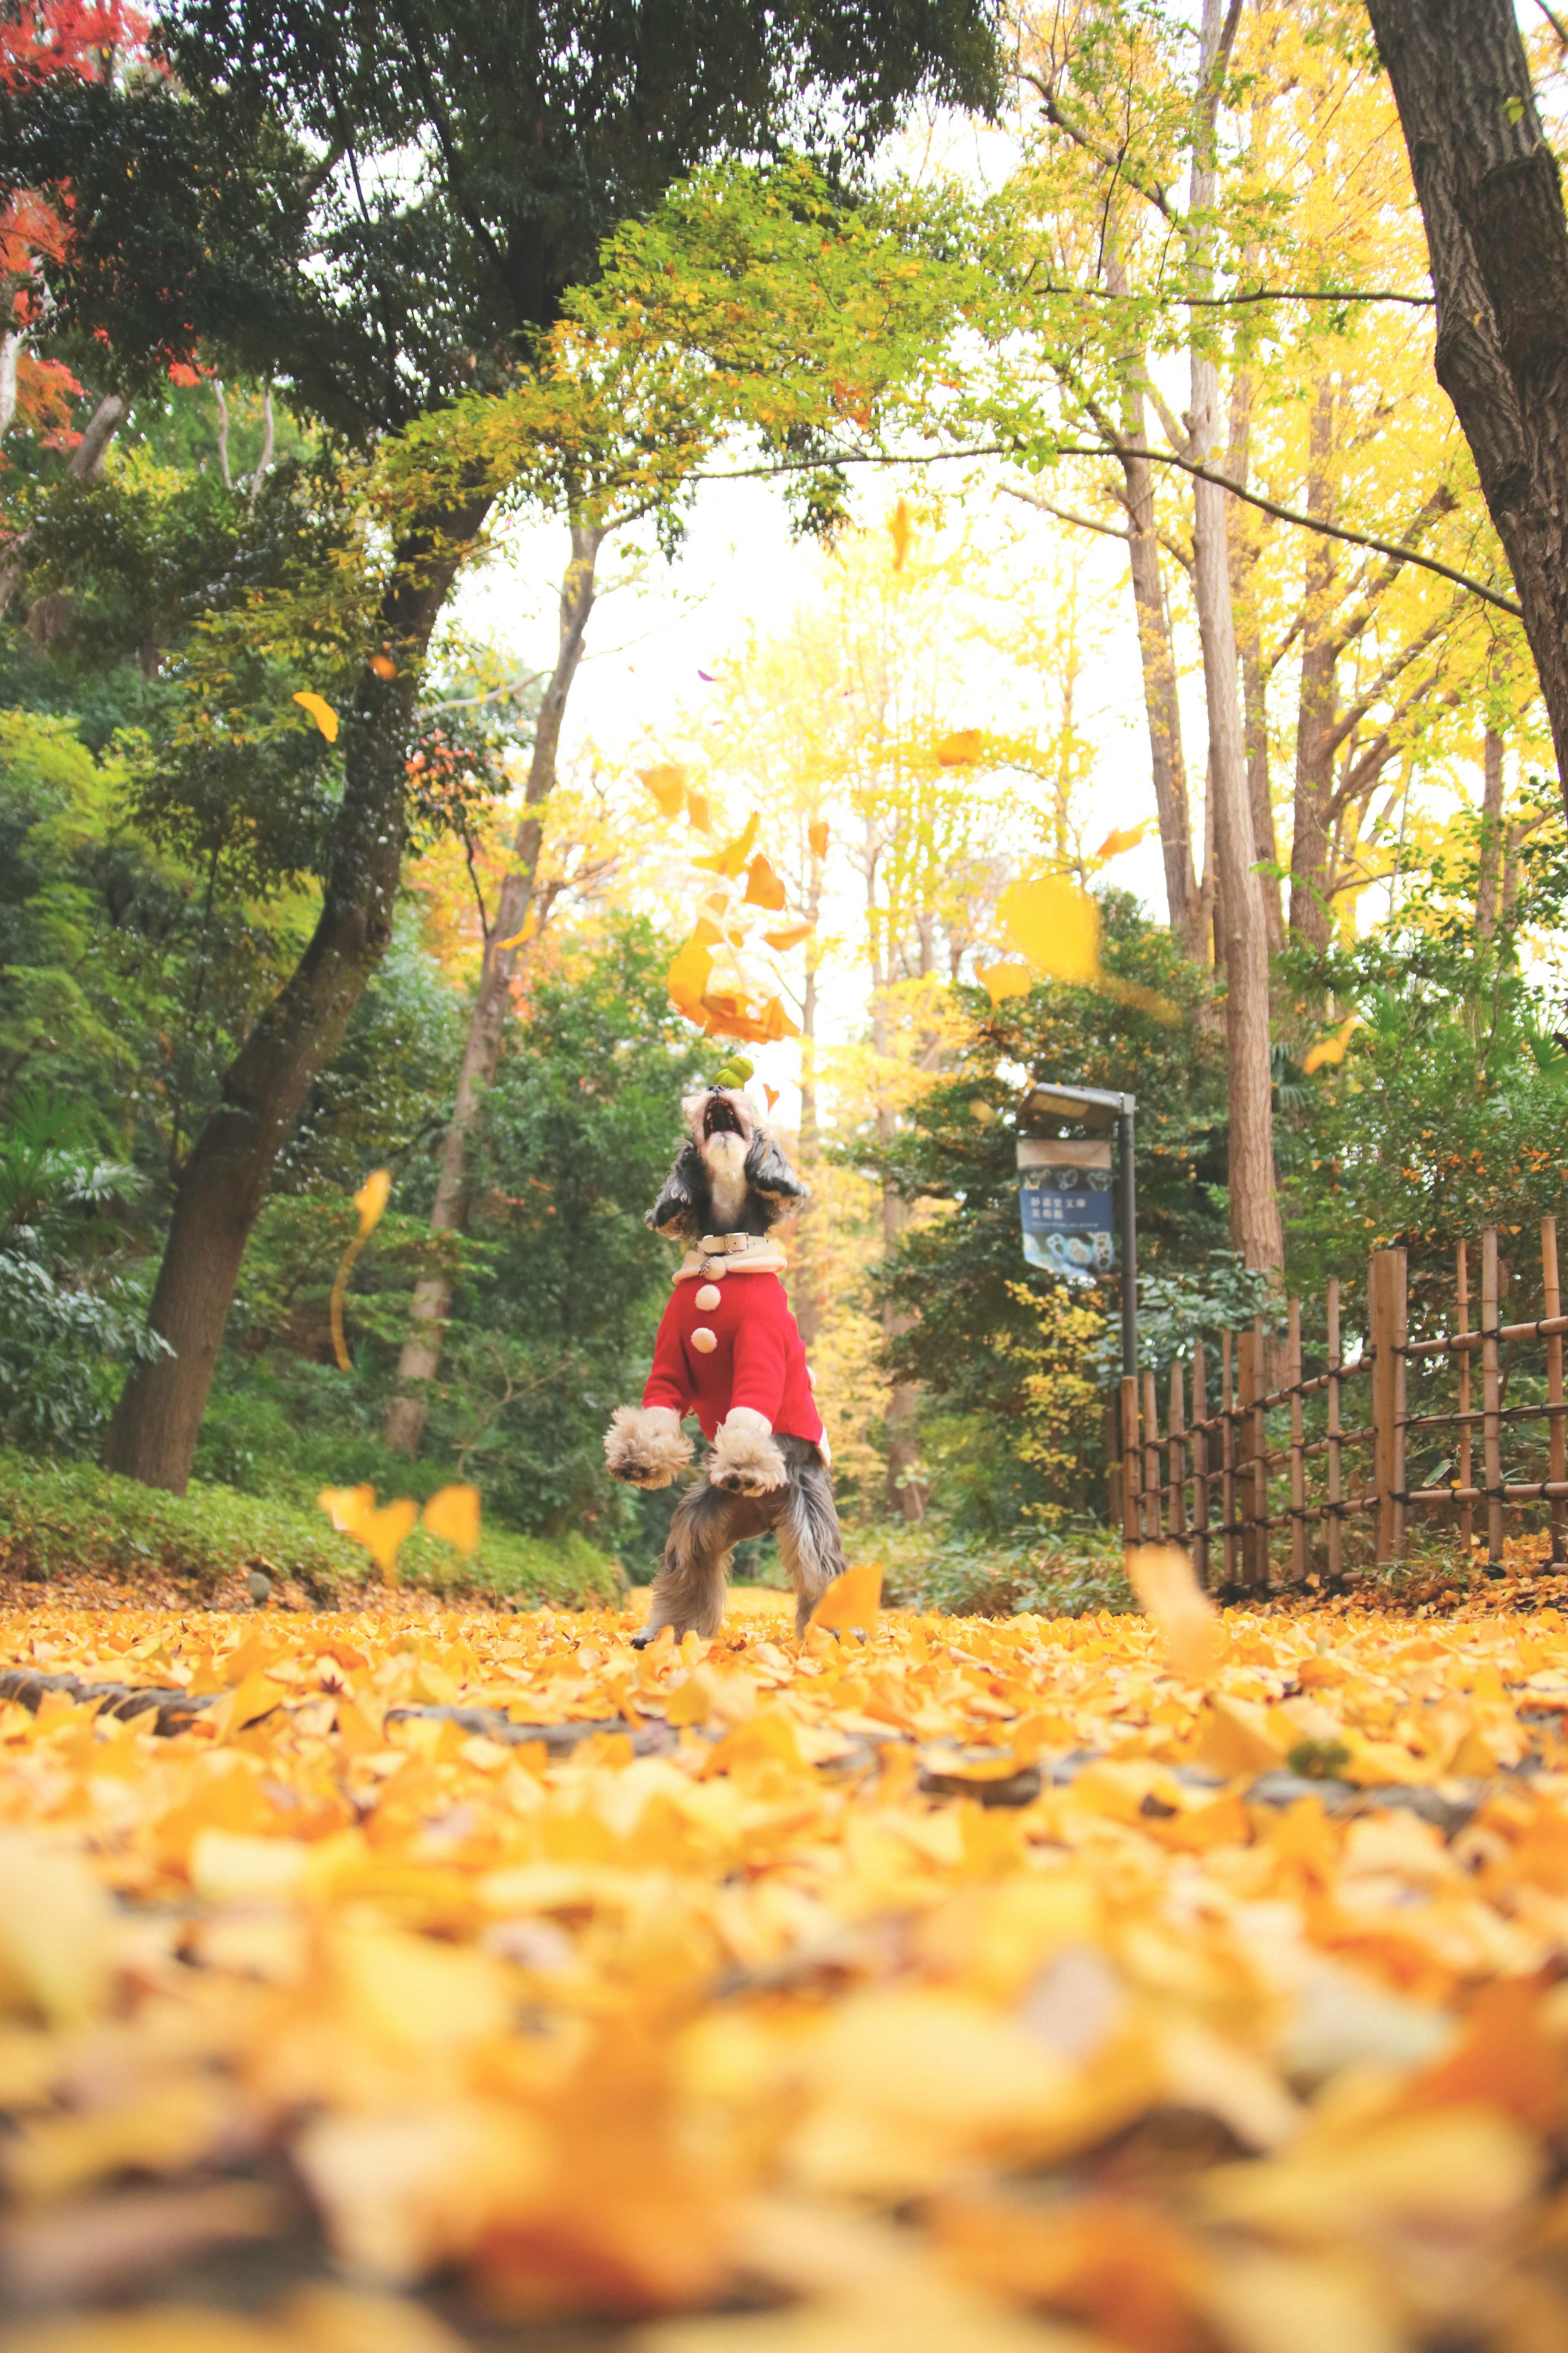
(728,1178)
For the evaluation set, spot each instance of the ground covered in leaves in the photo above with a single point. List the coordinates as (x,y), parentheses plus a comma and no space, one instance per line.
(387,1983)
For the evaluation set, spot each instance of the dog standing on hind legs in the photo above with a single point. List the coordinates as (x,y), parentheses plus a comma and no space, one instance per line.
(729,1350)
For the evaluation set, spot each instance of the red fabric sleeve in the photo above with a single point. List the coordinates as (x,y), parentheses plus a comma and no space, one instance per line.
(761,1360)
(668,1383)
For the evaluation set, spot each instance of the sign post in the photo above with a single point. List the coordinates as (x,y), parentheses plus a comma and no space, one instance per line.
(1064,1193)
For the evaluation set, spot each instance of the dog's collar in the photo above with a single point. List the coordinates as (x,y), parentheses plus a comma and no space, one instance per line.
(717,1255)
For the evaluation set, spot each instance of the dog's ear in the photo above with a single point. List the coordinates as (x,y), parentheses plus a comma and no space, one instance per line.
(682,1202)
(770,1174)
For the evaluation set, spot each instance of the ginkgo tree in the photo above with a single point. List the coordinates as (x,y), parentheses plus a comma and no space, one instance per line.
(275,221)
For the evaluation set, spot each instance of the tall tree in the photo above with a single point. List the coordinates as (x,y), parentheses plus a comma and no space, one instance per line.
(388,207)
(1491,198)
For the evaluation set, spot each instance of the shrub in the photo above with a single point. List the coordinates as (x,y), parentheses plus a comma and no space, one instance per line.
(55,1518)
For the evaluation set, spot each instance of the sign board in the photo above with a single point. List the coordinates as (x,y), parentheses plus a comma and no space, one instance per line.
(1068,1206)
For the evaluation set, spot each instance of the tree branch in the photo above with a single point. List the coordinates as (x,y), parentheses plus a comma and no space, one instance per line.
(1066,514)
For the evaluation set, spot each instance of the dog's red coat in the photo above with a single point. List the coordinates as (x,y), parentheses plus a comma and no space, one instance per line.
(759,1359)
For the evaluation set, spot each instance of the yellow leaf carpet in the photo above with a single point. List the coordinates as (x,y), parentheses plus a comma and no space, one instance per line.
(376,1983)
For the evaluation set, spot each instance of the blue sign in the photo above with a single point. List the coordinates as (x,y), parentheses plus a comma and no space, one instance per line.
(1069,1214)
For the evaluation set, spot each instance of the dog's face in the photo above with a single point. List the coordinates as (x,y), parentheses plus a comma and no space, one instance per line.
(730,1178)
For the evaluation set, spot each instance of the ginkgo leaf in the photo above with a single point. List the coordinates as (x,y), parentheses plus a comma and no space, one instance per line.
(1116,843)
(1055,925)
(852,1601)
(901,530)
(731,860)
(1000,980)
(347,1507)
(383,1533)
(1168,1592)
(776,1022)
(1329,1052)
(668,786)
(453,1514)
(688,978)
(321,711)
(790,936)
(516,939)
(763,888)
(372,1198)
(771,1093)
(697,813)
(383,666)
(816,836)
(961,749)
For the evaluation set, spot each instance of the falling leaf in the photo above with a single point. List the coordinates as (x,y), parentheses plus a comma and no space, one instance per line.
(1115,844)
(771,1093)
(1000,980)
(322,712)
(733,856)
(697,813)
(816,836)
(790,936)
(1329,1052)
(383,1533)
(901,530)
(347,1507)
(1168,1592)
(852,1601)
(1055,925)
(517,938)
(371,1200)
(688,978)
(383,666)
(763,888)
(668,786)
(961,750)
(453,1514)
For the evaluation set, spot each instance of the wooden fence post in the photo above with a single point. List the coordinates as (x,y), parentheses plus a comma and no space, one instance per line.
(1131,1501)
(1557,1438)
(1386,1328)
(1200,1466)
(1491,1397)
(1252,1472)
(1228,1452)
(1336,1445)
(1462,1324)
(1178,1426)
(1298,1460)
(1151,1527)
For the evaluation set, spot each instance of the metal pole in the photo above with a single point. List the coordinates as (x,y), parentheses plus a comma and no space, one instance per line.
(1128,1240)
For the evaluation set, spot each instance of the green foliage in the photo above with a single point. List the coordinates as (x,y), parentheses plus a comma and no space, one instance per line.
(558,1286)
(970,1306)
(56,1519)
(71,1316)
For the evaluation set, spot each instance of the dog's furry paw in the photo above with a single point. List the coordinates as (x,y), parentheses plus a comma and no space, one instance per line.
(645,1446)
(745,1461)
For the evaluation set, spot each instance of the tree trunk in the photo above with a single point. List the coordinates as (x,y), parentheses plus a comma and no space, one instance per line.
(1492,851)
(1253,1210)
(1244,552)
(1317,705)
(807,1288)
(153,1434)
(1156,652)
(1493,203)
(421,1357)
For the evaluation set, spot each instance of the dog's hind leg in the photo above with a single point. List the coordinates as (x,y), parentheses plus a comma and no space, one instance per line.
(689,1590)
(810,1544)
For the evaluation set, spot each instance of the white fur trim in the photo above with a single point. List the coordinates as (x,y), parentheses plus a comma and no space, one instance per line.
(744,1458)
(645,1446)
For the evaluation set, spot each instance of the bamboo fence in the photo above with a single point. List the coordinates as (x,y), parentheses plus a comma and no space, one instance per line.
(1265,1482)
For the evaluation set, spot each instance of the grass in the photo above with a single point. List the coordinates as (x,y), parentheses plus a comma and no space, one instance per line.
(57,1518)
